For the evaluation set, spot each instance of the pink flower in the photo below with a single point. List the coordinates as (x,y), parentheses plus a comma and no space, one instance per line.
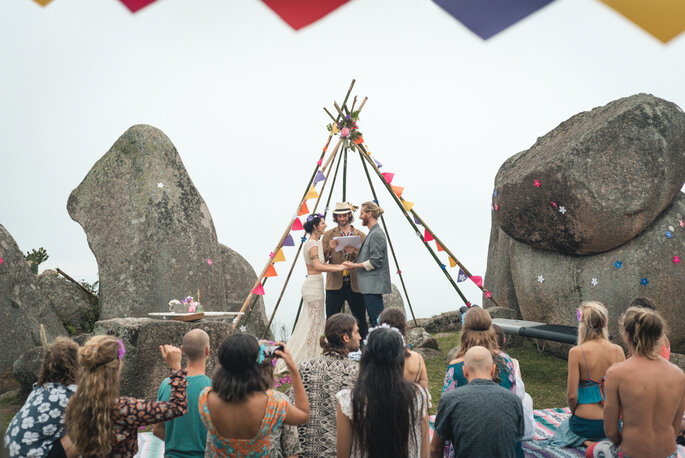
(345,132)
(676,259)
(192,307)
(536,183)
(209,261)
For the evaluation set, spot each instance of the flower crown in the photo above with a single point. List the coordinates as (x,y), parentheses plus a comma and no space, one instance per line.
(384,326)
(314,215)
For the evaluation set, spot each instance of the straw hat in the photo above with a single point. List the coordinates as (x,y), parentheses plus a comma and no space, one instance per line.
(343,207)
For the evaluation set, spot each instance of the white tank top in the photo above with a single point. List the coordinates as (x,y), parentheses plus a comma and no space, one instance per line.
(307,246)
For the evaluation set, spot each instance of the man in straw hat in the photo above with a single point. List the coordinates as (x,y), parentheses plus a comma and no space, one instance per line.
(342,286)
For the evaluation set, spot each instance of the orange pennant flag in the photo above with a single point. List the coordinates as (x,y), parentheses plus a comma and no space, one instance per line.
(398,190)
(440,248)
(271,271)
(663,19)
(280,257)
(304,210)
(452,261)
(407,205)
(311,194)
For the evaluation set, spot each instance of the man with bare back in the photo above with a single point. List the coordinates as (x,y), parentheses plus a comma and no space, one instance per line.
(646,390)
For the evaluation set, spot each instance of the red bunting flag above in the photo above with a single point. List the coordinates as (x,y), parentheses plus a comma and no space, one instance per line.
(427,237)
(135,5)
(301,13)
(388,176)
(297,225)
(477,280)
(259,290)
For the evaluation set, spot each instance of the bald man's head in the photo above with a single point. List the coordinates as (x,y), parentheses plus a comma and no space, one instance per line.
(478,364)
(194,344)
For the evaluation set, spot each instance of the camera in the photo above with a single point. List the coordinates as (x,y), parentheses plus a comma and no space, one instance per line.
(270,350)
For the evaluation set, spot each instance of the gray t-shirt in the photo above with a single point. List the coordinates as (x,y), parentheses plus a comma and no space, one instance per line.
(482,419)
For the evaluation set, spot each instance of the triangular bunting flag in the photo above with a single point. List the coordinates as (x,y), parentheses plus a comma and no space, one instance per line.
(311,194)
(271,272)
(486,18)
(319,176)
(407,205)
(453,263)
(304,210)
(259,290)
(427,237)
(359,140)
(135,5)
(663,19)
(462,276)
(398,190)
(280,257)
(334,130)
(378,164)
(416,221)
(388,176)
(477,280)
(301,13)
(42,2)
(289,241)
(440,248)
(297,225)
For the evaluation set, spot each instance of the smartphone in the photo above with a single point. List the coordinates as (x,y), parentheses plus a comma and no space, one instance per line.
(270,350)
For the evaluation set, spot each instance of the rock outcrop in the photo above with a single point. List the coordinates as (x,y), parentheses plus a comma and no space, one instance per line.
(144,369)
(597,180)
(23,308)
(149,228)
(77,310)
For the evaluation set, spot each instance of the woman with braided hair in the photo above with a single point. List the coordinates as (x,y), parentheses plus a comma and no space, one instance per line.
(102,423)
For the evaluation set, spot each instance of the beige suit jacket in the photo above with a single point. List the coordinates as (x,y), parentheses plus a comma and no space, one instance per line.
(334,280)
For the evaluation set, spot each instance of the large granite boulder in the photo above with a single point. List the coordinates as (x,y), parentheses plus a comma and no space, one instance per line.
(240,277)
(144,369)
(23,307)
(604,176)
(149,228)
(548,287)
(77,310)
(26,368)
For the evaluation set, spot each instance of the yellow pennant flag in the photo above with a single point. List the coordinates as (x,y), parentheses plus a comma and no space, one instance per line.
(663,19)
(334,129)
(452,262)
(312,194)
(280,257)
(407,205)
(42,2)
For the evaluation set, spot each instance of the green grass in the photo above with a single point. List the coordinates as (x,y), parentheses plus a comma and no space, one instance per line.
(543,374)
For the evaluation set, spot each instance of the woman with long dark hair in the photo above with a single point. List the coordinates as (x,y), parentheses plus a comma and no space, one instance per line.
(240,410)
(384,415)
(414,365)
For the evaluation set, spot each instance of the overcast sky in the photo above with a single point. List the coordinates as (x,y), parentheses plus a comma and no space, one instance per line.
(240,94)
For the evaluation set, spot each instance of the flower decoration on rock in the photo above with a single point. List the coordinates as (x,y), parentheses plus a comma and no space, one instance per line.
(541,278)
(209,261)
(682,224)
(347,128)
(243,328)
(1,261)
(676,259)
(644,281)
(594,281)
(669,234)
(186,305)
(536,183)
(618,264)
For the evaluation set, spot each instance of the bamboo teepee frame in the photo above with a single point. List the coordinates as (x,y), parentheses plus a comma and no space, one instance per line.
(341,150)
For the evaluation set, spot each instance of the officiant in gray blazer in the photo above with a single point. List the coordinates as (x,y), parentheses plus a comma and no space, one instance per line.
(374,270)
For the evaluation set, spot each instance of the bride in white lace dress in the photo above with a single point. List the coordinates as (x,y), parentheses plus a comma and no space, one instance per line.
(304,341)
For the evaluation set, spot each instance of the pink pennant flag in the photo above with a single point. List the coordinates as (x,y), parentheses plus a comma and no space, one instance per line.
(259,290)
(319,163)
(135,5)
(477,280)
(427,237)
(297,225)
(388,176)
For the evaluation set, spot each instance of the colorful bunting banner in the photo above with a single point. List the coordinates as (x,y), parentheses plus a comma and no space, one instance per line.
(453,263)
(301,13)
(440,248)
(487,18)
(477,280)
(663,19)
(135,5)
(304,210)
(311,194)
(378,164)
(407,205)
(416,220)
(42,2)
(388,176)
(289,241)
(297,225)
(259,290)
(271,271)
(462,276)
(280,257)
(427,237)
(398,190)
(319,176)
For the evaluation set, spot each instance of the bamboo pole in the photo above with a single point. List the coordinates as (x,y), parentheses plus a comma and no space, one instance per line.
(344,178)
(59,271)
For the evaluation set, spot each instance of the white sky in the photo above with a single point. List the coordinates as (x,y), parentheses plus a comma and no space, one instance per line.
(240,94)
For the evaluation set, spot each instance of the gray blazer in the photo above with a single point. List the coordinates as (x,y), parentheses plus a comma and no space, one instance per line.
(375,250)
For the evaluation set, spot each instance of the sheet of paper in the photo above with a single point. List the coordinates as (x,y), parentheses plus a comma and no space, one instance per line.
(352,240)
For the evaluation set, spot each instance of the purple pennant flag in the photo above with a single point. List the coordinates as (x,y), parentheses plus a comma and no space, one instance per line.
(487,18)
(378,164)
(319,176)
(416,220)
(462,276)
(289,241)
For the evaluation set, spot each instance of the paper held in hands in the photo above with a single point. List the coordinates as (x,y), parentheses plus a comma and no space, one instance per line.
(351,240)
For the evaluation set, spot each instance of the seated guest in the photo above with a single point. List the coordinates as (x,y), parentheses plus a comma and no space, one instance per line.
(323,377)
(239,410)
(477,331)
(38,428)
(481,419)
(99,421)
(186,436)
(664,343)
(414,366)
(384,415)
(646,392)
(588,362)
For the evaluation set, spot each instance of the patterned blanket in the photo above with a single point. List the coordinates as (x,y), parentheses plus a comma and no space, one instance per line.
(546,423)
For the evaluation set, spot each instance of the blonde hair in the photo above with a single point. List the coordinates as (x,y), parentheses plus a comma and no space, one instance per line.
(594,319)
(478,331)
(60,363)
(644,328)
(373,208)
(89,412)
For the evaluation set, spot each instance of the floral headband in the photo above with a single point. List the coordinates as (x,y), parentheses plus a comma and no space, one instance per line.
(314,215)
(122,350)
(384,326)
